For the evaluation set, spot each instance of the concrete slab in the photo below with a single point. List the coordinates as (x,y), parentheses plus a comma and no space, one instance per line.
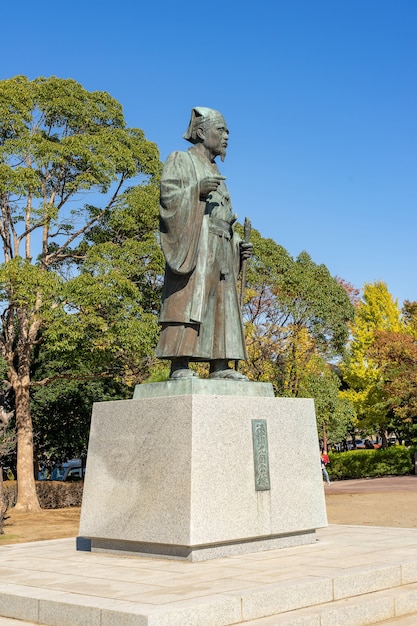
(350,575)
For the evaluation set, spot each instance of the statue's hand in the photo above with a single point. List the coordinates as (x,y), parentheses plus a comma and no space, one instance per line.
(246,250)
(209,184)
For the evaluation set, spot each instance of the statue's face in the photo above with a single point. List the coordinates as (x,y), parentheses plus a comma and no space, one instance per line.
(216,136)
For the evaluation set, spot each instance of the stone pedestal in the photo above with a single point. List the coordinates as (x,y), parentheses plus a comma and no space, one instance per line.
(198,469)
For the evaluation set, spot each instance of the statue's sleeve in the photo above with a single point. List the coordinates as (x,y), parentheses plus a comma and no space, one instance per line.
(181,212)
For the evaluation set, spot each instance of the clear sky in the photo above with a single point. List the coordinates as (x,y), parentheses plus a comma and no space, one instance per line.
(320,97)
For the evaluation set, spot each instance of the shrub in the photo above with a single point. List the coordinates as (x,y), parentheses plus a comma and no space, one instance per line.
(392,461)
(51,494)
(59,495)
(9,493)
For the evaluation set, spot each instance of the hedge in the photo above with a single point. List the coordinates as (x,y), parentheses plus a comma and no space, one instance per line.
(392,461)
(52,494)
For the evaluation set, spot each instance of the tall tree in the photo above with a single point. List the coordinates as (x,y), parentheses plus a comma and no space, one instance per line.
(60,145)
(334,413)
(396,357)
(295,312)
(409,312)
(377,311)
(352,292)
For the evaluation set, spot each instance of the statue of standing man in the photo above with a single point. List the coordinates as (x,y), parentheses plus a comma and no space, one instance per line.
(201,319)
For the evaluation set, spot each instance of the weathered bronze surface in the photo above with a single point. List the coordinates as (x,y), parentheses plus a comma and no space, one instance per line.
(261,455)
(201,315)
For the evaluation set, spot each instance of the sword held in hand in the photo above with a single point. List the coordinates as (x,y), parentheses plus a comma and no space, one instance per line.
(247,227)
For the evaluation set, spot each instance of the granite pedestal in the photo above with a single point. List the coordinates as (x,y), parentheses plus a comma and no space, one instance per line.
(198,469)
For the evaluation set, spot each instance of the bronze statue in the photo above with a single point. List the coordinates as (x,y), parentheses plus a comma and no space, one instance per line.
(201,316)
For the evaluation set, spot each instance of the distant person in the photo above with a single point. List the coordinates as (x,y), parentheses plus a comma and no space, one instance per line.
(323,458)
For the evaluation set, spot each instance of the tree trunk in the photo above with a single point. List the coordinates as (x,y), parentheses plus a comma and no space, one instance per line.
(384,440)
(324,437)
(2,501)
(27,499)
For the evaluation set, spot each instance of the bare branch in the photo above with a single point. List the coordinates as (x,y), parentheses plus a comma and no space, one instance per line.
(50,379)
(30,230)
(47,259)
(4,417)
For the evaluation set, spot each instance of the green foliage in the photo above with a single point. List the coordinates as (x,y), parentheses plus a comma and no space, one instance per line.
(377,311)
(7,441)
(395,354)
(21,283)
(334,414)
(315,298)
(61,413)
(58,140)
(392,461)
(270,261)
(409,313)
(296,312)
(78,282)
(361,373)
(105,328)
(159,373)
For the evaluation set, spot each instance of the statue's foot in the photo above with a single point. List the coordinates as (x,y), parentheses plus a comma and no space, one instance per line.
(228,374)
(183,372)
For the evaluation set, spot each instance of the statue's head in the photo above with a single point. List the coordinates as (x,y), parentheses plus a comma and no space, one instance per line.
(202,118)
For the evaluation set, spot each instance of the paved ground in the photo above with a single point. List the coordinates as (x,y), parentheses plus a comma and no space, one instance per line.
(8,621)
(38,568)
(388,484)
(100,589)
(389,502)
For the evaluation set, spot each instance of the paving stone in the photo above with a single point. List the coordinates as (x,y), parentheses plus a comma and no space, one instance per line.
(344,579)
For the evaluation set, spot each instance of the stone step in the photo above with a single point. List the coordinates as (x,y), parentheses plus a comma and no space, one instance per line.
(8,621)
(359,611)
(382,608)
(59,609)
(353,576)
(406,620)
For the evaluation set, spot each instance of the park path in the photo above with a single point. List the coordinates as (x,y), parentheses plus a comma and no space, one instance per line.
(387,484)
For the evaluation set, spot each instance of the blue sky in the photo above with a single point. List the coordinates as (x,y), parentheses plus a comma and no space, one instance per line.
(320,97)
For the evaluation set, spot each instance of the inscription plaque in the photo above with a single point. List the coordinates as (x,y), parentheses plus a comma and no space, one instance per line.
(260,455)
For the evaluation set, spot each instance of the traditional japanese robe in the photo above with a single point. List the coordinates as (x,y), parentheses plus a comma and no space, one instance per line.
(200,315)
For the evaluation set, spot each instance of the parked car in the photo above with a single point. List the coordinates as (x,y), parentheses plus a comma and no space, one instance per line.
(69,471)
(359,445)
(363,444)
